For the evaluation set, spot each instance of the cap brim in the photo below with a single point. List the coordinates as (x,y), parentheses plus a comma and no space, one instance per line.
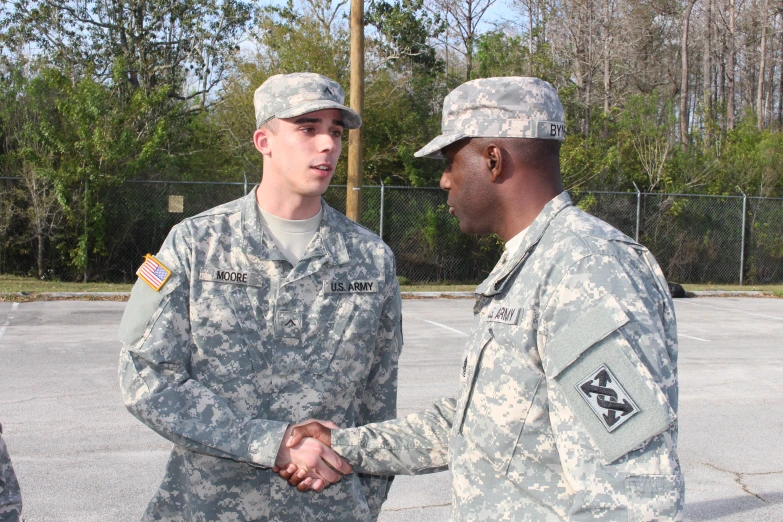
(350,117)
(433,149)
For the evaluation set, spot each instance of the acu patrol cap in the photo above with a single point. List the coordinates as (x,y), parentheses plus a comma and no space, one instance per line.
(291,95)
(504,107)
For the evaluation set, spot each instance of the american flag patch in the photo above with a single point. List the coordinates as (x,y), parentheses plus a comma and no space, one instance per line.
(153,272)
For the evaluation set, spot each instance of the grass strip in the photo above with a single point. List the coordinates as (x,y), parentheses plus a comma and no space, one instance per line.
(30,285)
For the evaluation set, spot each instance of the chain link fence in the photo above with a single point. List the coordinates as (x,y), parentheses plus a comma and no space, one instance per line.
(696,238)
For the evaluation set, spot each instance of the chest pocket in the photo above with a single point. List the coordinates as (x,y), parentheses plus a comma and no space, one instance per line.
(223,347)
(501,387)
(348,343)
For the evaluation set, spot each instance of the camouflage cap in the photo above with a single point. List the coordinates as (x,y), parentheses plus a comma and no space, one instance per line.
(505,107)
(290,95)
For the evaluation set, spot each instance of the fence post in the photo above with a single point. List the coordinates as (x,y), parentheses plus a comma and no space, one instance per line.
(380,228)
(638,208)
(742,241)
(244,175)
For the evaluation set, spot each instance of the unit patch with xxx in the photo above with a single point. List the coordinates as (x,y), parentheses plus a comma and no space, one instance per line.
(607,398)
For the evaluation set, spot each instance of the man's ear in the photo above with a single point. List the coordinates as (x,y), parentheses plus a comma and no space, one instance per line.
(261,141)
(493,155)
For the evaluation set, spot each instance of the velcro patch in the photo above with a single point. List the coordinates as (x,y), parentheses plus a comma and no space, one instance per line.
(350,287)
(153,272)
(550,130)
(502,314)
(607,398)
(222,275)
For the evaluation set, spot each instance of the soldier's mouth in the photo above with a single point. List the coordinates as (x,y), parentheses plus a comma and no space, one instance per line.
(323,168)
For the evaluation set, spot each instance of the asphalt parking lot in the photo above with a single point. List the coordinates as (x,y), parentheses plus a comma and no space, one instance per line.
(81,457)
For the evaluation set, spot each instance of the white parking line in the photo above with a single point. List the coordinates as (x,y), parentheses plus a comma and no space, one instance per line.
(8,318)
(446,327)
(694,338)
(730,310)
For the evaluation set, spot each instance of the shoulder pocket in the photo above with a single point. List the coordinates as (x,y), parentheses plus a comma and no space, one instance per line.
(605,384)
(143,308)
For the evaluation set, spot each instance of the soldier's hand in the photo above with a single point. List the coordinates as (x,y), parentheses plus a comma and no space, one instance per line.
(307,463)
(295,440)
(319,430)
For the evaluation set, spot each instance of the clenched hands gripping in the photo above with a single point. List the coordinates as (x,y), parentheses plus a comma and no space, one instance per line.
(306,459)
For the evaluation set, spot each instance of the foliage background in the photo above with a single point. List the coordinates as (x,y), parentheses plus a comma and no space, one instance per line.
(675,96)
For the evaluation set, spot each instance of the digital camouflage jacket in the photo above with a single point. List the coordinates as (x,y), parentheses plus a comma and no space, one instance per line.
(568,395)
(237,344)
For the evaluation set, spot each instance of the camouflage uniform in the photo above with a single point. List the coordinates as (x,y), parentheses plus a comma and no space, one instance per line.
(568,394)
(237,344)
(10,495)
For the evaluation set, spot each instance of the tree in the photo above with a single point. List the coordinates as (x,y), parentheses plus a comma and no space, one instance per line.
(500,54)
(137,44)
(731,68)
(762,67)
(647,124)
(684,114)
(43,213)
(466,16)
(402,30)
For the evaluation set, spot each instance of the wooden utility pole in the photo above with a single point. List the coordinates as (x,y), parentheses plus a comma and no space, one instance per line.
(353,202)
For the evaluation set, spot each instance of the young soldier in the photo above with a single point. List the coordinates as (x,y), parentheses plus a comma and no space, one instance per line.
(259,314)
(568,395)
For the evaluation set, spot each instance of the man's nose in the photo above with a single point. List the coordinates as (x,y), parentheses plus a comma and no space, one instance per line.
(326,142)
(445,181)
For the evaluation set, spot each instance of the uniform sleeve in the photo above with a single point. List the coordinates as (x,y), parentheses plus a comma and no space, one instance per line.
(155,376)
(608,342)
(412,445)
(10,495)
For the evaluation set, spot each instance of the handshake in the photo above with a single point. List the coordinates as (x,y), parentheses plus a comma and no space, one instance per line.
(306,459)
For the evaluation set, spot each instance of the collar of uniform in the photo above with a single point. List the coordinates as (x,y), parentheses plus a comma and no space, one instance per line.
(332,227)
(496,281)
(254,240)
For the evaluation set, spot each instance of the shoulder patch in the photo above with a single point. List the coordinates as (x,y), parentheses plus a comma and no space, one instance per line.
(611,394)
(607,398)
(153,272)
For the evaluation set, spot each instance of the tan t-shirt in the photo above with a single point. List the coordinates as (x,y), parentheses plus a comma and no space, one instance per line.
(292,236)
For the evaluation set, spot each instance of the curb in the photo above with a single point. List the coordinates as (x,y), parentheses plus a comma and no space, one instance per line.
(728,293)
(438,295)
